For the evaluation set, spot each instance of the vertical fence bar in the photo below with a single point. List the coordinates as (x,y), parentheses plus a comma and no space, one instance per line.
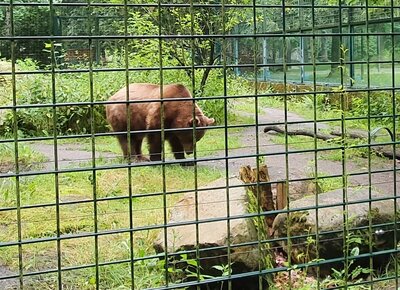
(129,141)
(162,133)
(315,127)
(370,224)
(343,108)
(256,125)
(16,147)
(93,132)
(53,67)
(196,193)
(286,125)
(394,138)
(226,144)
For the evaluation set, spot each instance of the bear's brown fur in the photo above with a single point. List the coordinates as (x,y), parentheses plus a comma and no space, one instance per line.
(146,116)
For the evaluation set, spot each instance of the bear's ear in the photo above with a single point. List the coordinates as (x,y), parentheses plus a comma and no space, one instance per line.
(196,119)
(209,121)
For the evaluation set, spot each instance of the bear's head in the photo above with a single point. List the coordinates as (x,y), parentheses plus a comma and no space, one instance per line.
(186,137)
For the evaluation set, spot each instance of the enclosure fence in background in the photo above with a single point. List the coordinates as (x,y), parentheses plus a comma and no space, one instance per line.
(270,144)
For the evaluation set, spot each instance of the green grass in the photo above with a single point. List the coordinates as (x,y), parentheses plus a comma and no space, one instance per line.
(380,75)
(79,218)
(28,158)
(212,142)
(329,183)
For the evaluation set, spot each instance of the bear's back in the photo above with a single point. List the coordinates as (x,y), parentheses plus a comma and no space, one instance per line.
(142,91)
(146,115)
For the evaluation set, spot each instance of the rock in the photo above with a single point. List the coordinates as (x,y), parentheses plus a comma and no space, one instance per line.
(213,235)
(302,222)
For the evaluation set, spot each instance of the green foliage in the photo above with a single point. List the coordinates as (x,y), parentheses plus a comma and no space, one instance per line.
(348,273)
(64,119)
(27,20)
(332,183)
(380,104)
(75,88)
(184,268)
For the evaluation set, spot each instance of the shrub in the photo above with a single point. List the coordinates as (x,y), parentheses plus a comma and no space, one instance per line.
(69,88)
(381,104)
(72,94)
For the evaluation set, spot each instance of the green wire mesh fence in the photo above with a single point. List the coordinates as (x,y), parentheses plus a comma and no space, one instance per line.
(271,157)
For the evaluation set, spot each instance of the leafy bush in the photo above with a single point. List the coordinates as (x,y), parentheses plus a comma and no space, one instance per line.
(27,20)
(76,118)
(69,88)
(381,104)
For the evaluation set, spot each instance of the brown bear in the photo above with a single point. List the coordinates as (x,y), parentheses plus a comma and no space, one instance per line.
(146,116)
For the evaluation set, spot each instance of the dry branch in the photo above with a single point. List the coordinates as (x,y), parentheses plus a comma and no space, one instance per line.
(385,151)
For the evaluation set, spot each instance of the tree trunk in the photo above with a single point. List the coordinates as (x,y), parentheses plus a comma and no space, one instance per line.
(335,51)
(288,51)
(208,69)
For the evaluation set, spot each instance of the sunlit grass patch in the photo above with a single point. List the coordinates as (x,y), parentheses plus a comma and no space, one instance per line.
(27,157)
(106,200)
(213,141)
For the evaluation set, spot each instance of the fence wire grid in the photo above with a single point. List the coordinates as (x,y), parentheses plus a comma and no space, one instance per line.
(292,186)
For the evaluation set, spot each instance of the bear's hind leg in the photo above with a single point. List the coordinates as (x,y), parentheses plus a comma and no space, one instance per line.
(136,148)
(123,142)
(155,146)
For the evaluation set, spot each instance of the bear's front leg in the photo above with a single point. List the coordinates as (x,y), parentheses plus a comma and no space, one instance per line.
(177,149)
(176,146)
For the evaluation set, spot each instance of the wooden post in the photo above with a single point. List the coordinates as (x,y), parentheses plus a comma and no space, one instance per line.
(262,192)
(281,196)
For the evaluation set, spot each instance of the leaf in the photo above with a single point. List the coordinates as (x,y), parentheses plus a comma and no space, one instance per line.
(192,262)
(356,272)
(366,271)
(355,251)
(172,270)
(92,280)
(286,264)
(336,273)
(218,267)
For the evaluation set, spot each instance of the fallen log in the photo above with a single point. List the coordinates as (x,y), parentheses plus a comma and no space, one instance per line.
(303,132)
(386,151)
(354,134)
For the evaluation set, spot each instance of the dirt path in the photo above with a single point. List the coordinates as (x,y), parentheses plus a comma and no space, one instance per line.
(68,155)
(8,283)
(300,165)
